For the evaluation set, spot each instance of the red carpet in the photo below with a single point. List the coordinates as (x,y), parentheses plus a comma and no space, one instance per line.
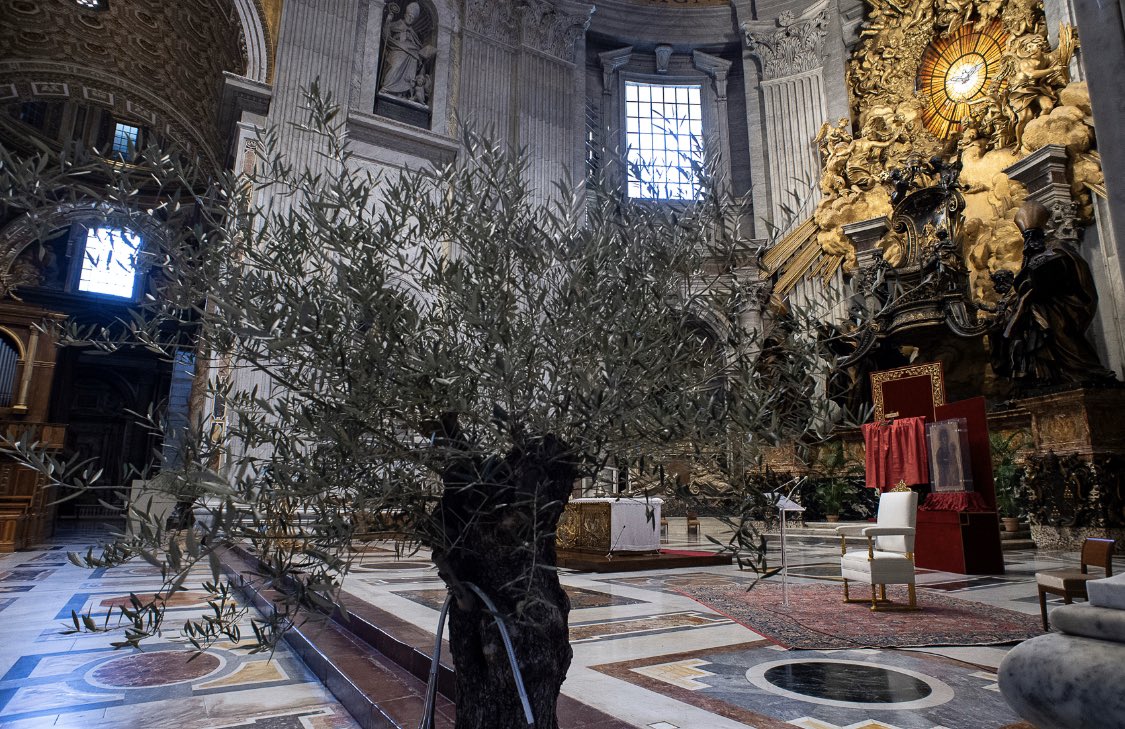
(687,553)
(818,619)
(625,562)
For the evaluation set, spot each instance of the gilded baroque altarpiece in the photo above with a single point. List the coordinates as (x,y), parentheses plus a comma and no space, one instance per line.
(974,81)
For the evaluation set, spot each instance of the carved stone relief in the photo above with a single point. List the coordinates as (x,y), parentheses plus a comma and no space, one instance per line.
(537,24)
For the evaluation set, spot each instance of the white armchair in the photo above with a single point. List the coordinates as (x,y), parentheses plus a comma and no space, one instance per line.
(888,558)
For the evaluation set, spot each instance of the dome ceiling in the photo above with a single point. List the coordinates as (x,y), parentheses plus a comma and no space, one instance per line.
(175,52)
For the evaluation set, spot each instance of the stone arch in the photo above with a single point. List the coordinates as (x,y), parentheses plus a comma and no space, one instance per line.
(259,38)
(14,339)
(37,225)
(149,56)
(711,326)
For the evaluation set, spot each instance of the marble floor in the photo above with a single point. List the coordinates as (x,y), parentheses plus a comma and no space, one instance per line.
(53,678)
(643,652)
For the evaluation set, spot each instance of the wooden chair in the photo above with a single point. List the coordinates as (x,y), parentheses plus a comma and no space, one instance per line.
(1071,583)
(693,523)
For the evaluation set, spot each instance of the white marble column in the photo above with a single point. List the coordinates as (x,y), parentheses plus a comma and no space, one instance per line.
(488,55)
(521,81)
(315,43)
(786,105)
(794,110)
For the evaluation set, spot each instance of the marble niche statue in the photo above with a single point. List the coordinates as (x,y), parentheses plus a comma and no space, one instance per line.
(1039,337)
(406,72)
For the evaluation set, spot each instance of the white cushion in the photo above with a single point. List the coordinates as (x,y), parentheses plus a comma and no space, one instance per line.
(897,509)
(886,568)
(1108,592)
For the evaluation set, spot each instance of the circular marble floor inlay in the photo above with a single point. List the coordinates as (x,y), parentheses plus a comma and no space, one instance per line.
(850,684)
(142,670)
(853,682)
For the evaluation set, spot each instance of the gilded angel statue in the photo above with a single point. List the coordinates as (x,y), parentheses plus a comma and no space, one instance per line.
(835,143)
(1034,75)
(953,14)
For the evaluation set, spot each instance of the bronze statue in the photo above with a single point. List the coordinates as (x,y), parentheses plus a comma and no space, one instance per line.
(1040,334)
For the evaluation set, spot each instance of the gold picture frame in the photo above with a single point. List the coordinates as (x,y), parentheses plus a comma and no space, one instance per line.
(931,370)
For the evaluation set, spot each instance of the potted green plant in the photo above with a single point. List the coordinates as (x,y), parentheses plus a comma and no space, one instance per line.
(834,471)
(830,495)
(1007,473)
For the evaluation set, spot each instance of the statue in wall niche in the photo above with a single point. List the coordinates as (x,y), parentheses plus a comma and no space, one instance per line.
(1039,338)
(405,71)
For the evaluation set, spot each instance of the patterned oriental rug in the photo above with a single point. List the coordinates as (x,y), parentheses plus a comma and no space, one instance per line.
(818,619)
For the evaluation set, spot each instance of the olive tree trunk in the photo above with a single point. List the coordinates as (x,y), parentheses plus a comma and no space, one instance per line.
(496,522)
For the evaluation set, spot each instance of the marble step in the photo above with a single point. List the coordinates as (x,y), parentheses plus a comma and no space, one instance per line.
(376,689)
(377,663)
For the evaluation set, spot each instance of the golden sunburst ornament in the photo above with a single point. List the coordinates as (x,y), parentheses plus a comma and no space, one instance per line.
(956,72)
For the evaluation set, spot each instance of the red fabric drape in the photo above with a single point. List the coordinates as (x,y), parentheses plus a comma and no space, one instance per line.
(895,452)
(955,501)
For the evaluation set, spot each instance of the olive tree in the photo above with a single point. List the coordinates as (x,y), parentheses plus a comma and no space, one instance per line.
(437,352)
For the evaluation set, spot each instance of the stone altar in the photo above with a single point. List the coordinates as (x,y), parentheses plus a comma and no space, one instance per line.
(607,525)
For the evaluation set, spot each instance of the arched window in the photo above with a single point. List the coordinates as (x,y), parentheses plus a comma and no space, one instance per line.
(9,363)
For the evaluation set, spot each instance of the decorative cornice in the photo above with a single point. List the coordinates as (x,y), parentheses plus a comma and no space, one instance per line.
(611,62)
(715,67)
(790,45)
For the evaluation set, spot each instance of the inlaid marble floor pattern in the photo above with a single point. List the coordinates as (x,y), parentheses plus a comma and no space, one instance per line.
(655,658)
(52,679)
(642,652)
